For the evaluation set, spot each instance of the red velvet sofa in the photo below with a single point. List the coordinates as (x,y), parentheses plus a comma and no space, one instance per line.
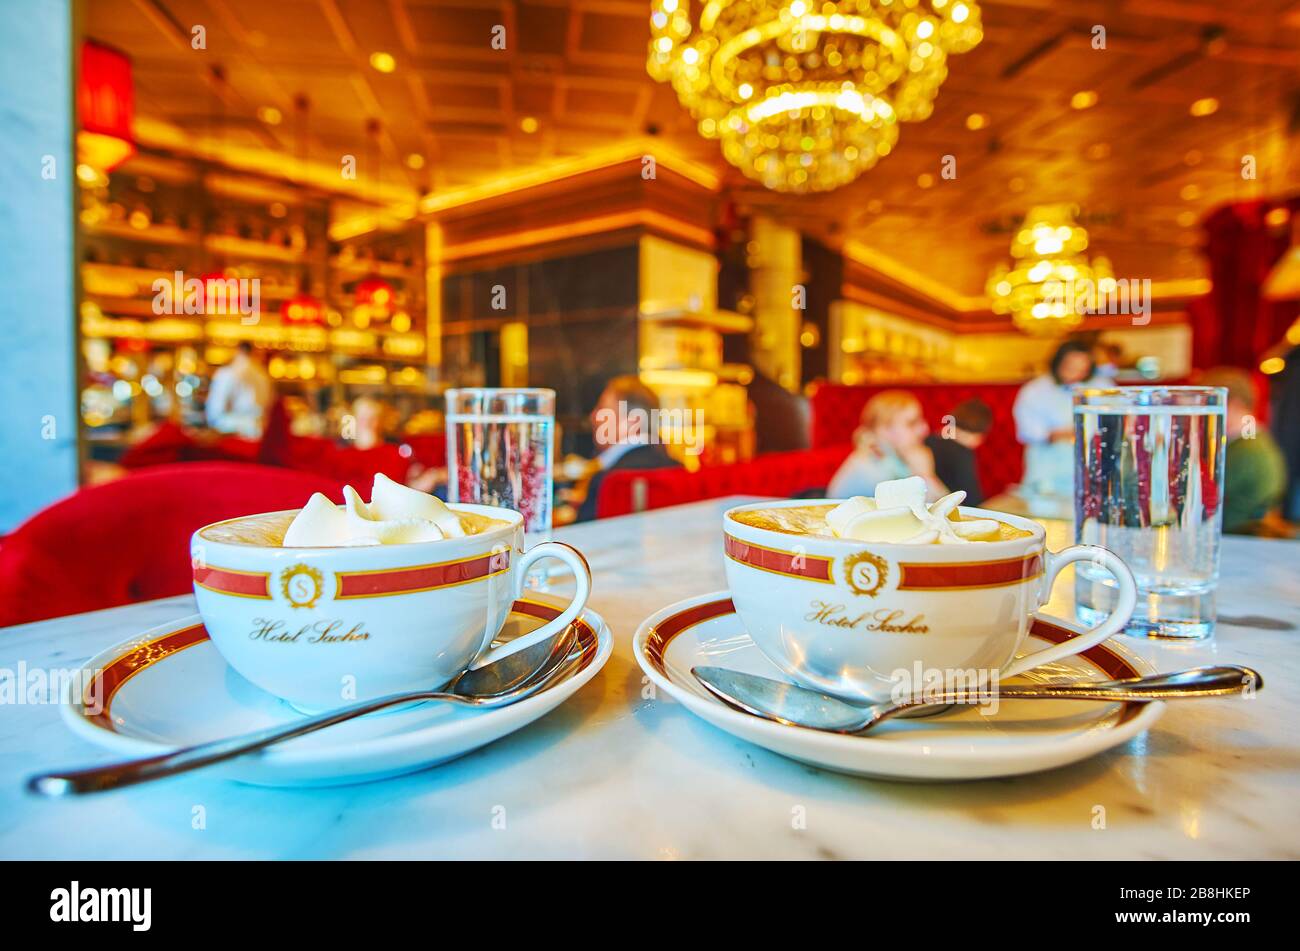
(773,473)
(169,444)
(1001,459)
(128,540)
(835,410)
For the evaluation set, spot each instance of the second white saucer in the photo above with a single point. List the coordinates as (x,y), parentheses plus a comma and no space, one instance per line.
(1021,737)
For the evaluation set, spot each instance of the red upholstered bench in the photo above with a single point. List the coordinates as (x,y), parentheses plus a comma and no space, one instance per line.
(347,464)
(169,443)
(128,540)
(777,473)
(835,411)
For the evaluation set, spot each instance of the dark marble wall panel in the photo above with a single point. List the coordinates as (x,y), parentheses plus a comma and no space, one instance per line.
(581,312)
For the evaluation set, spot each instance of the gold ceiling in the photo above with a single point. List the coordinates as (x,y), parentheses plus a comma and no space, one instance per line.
(1005,133)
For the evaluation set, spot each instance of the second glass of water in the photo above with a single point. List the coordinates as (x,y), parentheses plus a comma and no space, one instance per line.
(499,452)
(1148,485)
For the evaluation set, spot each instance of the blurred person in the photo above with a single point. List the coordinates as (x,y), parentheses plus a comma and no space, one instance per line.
(240,394)
(888,444)
(1106,358)
(620,433)
(1285,392)
(781,418)
(1044,414)
(1254,470)
(954,455)
(369,423)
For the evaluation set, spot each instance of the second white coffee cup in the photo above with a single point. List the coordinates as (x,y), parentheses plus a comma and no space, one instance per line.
(857,619)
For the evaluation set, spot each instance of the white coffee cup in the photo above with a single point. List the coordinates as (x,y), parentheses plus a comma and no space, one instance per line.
(853,618)
(321,627)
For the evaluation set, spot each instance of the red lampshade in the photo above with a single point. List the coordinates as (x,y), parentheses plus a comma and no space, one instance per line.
(302,308)
(376,294)
(106,106)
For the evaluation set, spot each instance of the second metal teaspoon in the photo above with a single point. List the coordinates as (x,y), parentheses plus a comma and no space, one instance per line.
(797,706)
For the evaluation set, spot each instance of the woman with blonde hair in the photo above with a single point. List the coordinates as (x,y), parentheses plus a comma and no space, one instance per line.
(889,444)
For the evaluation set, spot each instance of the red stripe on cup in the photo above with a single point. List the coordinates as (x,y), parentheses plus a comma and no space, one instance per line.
(369,584)
(245,584)
(958,575)
(796,564)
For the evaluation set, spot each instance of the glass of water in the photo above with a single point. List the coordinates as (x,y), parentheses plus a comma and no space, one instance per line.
(499,452)
(1148,485)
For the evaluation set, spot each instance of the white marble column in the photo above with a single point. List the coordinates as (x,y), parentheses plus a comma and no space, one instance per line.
(38,339)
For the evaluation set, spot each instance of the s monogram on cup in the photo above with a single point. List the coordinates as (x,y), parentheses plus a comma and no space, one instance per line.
(301,585)
(865,573)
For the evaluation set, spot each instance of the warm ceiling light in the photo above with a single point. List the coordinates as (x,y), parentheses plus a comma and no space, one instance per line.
(806,95)
(1186,218)
(1189,192)
(1016,184)
(269,114)
(415,161)
(1272,365)
(528,124)
(1277,217)
(1204,107)
(1193,157)
(925,180)
(1098,150)
(1084,99)
(1049,248)
(383,62)
(976,121)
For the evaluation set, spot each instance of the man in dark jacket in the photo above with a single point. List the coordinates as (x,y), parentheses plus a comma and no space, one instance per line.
(621,432)
(954,448)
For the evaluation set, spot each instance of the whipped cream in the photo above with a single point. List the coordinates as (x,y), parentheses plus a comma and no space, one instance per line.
(898,513)
(394,515)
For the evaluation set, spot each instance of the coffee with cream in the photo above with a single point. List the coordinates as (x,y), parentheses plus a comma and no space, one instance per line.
(897,514)
(394,515)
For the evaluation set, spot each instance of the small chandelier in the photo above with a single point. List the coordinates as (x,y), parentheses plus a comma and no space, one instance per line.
(806,95)
(1051,283)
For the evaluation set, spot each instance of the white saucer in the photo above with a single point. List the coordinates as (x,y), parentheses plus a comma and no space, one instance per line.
(169,687)
(1021,737)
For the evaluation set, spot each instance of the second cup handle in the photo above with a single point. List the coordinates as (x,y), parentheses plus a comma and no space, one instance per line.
(582,578)
(1125,601)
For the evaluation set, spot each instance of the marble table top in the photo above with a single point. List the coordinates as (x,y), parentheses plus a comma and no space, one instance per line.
(619,773)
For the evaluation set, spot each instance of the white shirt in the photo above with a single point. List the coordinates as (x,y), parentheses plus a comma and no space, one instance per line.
(240,394)
(1042,407)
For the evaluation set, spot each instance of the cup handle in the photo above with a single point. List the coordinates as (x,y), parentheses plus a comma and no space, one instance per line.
(1124,604)
(582,576)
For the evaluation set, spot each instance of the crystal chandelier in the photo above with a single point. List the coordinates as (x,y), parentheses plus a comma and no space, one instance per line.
(807,95)
(1051,283)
